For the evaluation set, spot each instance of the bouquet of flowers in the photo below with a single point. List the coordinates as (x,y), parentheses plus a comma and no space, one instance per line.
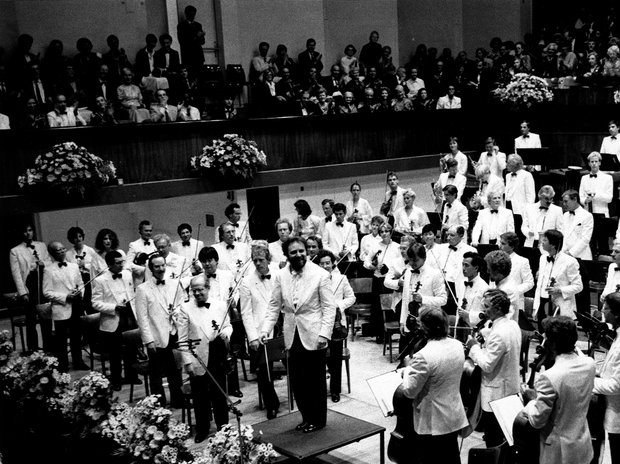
(232,153)
(70,168)
(524,90)
(147,433)
(223,448)
(6,348)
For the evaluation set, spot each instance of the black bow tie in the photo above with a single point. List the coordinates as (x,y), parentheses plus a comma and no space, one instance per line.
(62,264)
(452,247)
(393,192)
(543,208)
(117,276)
(514,174)
(617,269)
(593,175)
(415,271)
(328,219)
(448,205)
(147,242)
(82,256)
(160,282)
(485,182)
(450,177)
(340,224)
(550,259)
(571,212)
(493,211)
(203,304)
(230,247)
(469,283)
(613,137)
(211,276)
(267,276)
(489,154)
(185,243)
(526,136)
(236,224)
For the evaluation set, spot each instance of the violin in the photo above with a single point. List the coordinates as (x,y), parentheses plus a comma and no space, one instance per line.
(479,326)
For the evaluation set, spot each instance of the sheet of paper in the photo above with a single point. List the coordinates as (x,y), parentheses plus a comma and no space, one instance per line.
(505,410)
(383,387)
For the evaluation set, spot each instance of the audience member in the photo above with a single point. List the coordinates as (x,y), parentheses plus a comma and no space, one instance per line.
(372,52)
(401,102)
(349,60)
(191,39)
(166,59)
(145,58)
(115,59)
(61,116)
(310,58)
(161,111)
(130,100)
(449,101)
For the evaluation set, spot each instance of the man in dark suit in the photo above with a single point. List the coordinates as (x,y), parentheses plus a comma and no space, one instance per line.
(310,59)
(167,59)
(101,86)
(191,39)
(145,58)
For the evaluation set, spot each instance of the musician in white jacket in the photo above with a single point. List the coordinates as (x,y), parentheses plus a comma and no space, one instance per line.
(492,157)
(540,216)
(596,189)
(452,177)
(612,283)
(345,298)
(520,273)
(577,227)
(520,189)
(340,236)
(492,222)
(187,247)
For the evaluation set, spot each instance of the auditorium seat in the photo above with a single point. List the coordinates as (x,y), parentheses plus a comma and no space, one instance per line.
(362,288)
(390,328)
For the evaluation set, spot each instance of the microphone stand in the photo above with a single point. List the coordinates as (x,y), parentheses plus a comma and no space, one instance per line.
(190,345)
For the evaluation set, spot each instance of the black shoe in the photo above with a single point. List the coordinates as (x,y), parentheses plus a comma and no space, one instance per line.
(80,366)
(237,394)
(302,426)
(200,437)
(132,380)
(312,428)
(379,339)
(335,397)
(272,413)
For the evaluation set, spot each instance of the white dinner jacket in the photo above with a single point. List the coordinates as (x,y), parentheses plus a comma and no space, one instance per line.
(603,188)
(235,260)
(612,283)
(608,384)
(521,275)
(189,252)
(536,221)
(336,237)
(199,323)
(577,230)
(458,181)
(153,311)
(315,311)
(565,271)
(532,141)
(520,190)
(343,293)
(22,261)
(432,289)
(254,296)
(488,227)
(496,162)
(108,294)
(135,248)
(455,214)
(449,261)
(58,283)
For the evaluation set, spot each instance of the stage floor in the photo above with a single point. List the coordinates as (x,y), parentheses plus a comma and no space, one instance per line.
(341,430)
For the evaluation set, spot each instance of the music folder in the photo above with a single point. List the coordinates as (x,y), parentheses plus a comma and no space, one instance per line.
(506,410)
(383,387)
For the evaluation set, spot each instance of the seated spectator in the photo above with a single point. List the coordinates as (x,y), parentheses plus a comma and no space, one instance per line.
(414,83)
(324,105)
(349,60)
(354,83)
(367,106)
(115,59)
(161,111)
(260,63)
(166,58)
(102,113)
(86,62)
(611,63)
(310,58)
(348,105)
(438,81)
(69,85)
(549,66)
(101,86)
(151,84)
(130,100)
(503,74)
(385,62)
(567,60)
(61,116)
(591,71)
(462,60)
(384,105)
(483,56)
(372,81)
(281,60)
(34,86)
(524,57)
(518,67)
(286,87)
(310,81)
(333,83)
(183,85)
(449,101)
(265,97)
(401,102)
(31,117)
(54,62)
(185,110)
(228,110)
(424,102)
(306,107)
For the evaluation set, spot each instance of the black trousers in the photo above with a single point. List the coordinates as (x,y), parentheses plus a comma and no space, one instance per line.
(545,310)
(119,354)
(334,364)
(162,363)
(376,319)
(493,435)
(206,394)
(267,390)
(307,371)
(32,337)
(442,449)
(614,447)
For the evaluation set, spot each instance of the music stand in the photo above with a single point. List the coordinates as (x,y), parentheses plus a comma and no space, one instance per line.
(539,157)
(610,162)
(594,328)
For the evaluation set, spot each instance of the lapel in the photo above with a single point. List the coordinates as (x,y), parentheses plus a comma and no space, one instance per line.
(260,288)
(203,319)
(159,297)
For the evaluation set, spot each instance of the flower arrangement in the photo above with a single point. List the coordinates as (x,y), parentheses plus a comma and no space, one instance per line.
(524,90)
(223,448)
(232,153)
(147,433)
(68,167)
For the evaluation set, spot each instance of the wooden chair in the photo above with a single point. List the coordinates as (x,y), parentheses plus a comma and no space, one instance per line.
(390,328)
(90,330)
(362,287)
(141,366)
(346,357)
(18,321)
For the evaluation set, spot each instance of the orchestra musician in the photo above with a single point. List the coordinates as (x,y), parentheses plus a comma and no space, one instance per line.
(540,216)
(559,404)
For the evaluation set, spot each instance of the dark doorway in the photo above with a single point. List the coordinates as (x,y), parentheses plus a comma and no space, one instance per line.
(264,206)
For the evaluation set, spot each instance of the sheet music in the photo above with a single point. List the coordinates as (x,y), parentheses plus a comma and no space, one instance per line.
(505,410)
(383,387)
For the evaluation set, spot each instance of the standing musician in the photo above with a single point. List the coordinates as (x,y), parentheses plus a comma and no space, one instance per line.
(540,216)
(488,183)
(452,177)
(558,279)
(340,236)
(156,300)
(596,188)
(470,291)
(493,158)
(498,359)
(393,197)
(233,255)
(520,189)
(177,267)
(520,273)
(608,381)
(345,298)
(187,247)
(27,261)
(423,288)
(302,291)
(242,232)
(143,246)
(492,221)
(432,380)
(612,283)
(577,227)
(254,295)
(559,404)
(395,277)
(284,228)
(454,212)
(207,321)
(499,266)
